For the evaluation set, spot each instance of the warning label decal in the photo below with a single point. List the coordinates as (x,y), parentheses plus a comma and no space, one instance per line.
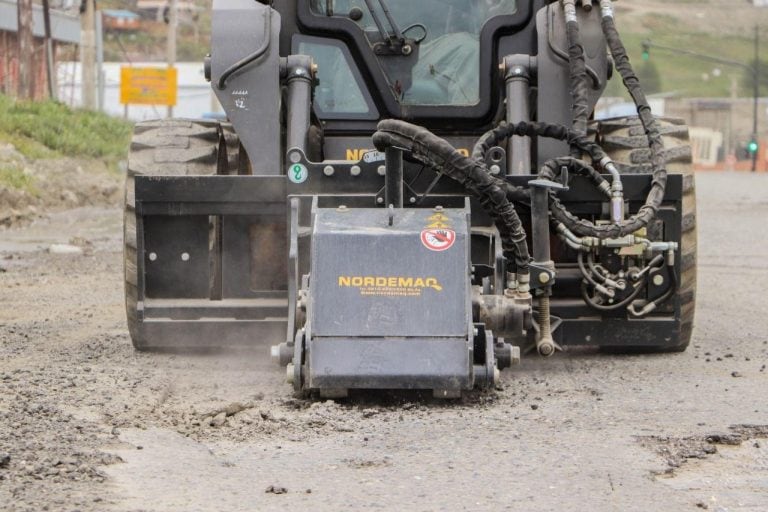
(438,221)
(438,239)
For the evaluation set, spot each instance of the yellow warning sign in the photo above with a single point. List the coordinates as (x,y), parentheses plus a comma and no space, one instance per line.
(148,86)
(438,221)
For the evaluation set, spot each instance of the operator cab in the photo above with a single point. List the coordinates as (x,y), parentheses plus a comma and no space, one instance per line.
(431,61)
(429,51)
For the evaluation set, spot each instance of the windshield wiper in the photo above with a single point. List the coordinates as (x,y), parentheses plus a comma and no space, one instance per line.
(398,35)
(395,42)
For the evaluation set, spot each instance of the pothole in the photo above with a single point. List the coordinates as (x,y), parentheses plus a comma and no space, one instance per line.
(676,451)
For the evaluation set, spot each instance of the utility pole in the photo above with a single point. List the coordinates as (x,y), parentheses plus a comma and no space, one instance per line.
(49,57)
(26,49)
(88,55)
(173,22)
(99,19)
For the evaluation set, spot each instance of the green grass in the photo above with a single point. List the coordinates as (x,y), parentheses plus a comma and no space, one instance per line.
(13,177)
(684,75)
(46,129)
(28,147)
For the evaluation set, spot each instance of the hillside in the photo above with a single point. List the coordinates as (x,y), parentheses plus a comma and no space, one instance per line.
(720,28)
(717,27)
(53,157)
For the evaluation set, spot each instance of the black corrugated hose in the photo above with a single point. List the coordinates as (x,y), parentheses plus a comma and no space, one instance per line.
(437,153)
(648,211)
(552,131)
(578,70)
(577,141)
(655,143)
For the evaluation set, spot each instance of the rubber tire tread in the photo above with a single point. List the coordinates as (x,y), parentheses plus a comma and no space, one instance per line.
(625,142)
(176,147)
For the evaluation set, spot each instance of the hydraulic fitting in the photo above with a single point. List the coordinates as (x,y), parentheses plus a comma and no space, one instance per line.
(569,8)
(511,281)
(606,8)
(648,308)
(524,283)
(617,191)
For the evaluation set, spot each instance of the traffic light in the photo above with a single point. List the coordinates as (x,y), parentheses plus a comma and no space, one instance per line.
(752,147)
(646,50)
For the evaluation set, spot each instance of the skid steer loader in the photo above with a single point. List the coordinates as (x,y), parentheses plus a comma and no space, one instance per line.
(407,195)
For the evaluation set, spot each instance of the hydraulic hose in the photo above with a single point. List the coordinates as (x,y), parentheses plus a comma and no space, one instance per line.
(658,185)
(589,280)
(593,269)
(553,168)
(578,73)
(438,154)
(493,137)
(648,308)
(579,226)
(612,307)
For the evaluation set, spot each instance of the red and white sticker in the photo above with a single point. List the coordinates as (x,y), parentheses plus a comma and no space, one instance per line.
(438,239)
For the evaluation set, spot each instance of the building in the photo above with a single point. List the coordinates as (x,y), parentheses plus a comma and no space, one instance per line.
(121,20)
(157,10)
(65,31)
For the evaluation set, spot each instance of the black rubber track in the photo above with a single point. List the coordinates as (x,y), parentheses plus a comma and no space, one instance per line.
(174,147)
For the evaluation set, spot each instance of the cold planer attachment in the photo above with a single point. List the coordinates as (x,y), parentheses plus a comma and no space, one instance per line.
(389,305)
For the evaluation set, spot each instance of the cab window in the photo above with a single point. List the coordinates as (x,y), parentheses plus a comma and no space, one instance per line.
(339,93)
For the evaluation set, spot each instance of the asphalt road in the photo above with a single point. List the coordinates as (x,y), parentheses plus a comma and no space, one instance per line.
(88,424)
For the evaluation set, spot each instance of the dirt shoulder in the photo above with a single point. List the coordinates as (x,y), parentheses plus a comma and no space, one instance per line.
(31,187)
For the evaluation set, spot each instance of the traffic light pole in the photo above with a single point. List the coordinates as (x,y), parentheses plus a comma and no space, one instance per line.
(754,70)
(756,94)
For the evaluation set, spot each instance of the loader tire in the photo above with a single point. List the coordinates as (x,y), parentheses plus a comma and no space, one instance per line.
(625,142)
(169,147)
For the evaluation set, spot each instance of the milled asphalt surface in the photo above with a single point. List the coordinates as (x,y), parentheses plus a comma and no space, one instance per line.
(88,424)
